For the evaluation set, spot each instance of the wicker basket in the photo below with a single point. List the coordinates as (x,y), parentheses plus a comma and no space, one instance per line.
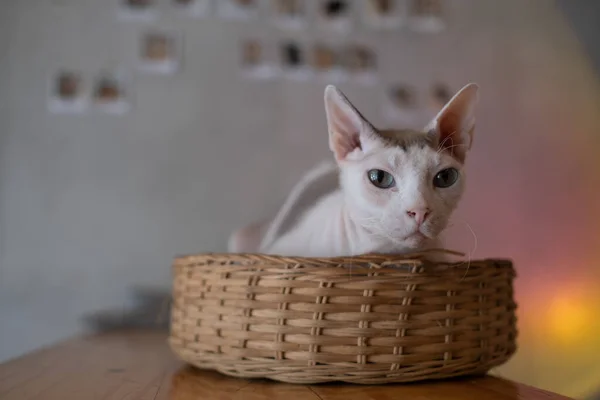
(368,319)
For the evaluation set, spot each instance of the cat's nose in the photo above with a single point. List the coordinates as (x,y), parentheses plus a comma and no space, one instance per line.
(419,214)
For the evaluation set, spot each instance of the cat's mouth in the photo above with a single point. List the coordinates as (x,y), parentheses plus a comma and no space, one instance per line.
(417,236)
(420,235)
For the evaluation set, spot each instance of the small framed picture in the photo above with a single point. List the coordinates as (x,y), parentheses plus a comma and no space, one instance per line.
(192,8)
(238,9)
(138,10)
(383,14)
(335,14)
(400,105)
(439,95)
(160,52)
(110,93)
(327,62)
(426,16)
(66,94)
(293,61)
(289,14)
(361,63)
(256,59)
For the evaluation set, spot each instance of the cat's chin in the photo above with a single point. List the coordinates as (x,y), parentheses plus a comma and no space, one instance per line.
(415,243)
(418,241)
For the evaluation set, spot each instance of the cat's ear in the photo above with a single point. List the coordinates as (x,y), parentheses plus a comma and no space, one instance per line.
(454,126)
(347,127)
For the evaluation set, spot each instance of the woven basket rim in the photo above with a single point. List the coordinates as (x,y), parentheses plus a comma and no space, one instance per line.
(415,257)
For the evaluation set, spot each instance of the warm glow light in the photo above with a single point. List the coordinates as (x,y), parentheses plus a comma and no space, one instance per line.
(570,317)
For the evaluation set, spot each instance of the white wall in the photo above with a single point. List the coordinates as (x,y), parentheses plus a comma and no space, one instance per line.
(92,205)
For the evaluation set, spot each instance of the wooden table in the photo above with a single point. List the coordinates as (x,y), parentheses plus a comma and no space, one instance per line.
(140,366)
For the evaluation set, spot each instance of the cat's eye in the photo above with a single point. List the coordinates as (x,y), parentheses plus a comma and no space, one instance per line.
(446,178)
(381,179)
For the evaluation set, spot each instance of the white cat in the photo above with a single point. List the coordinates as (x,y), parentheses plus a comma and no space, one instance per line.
(396,191)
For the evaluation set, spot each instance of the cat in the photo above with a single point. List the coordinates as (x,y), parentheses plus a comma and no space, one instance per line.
(395,192)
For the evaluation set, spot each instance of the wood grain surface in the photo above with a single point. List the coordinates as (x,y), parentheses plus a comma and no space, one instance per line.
(138,365)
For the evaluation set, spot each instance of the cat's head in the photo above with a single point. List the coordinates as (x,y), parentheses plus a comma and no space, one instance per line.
(402,184)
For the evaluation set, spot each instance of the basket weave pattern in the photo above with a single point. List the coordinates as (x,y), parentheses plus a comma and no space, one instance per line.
(368,319)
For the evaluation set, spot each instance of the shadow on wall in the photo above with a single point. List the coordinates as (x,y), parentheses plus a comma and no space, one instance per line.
(151,310)
(583,16)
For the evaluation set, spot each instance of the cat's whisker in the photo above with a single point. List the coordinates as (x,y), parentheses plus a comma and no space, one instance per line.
(471,253)
(441,145)
(369,222)
(450,147)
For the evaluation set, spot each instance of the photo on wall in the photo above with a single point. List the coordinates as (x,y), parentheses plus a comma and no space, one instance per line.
(256,59)
(399,105)
(361,63)
(426,16)
(334,15)
(191,8)
(66,93)
(110,93)
(138,10)
(160,52)
(383,14)
(293,61)
(238,9)
(439,95)
(327,62)
(289,14)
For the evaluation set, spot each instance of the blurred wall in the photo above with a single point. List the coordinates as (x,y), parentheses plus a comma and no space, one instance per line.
(583,17)
(93,205)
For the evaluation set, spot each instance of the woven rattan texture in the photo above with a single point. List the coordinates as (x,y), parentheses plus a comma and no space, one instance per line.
(367,319)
